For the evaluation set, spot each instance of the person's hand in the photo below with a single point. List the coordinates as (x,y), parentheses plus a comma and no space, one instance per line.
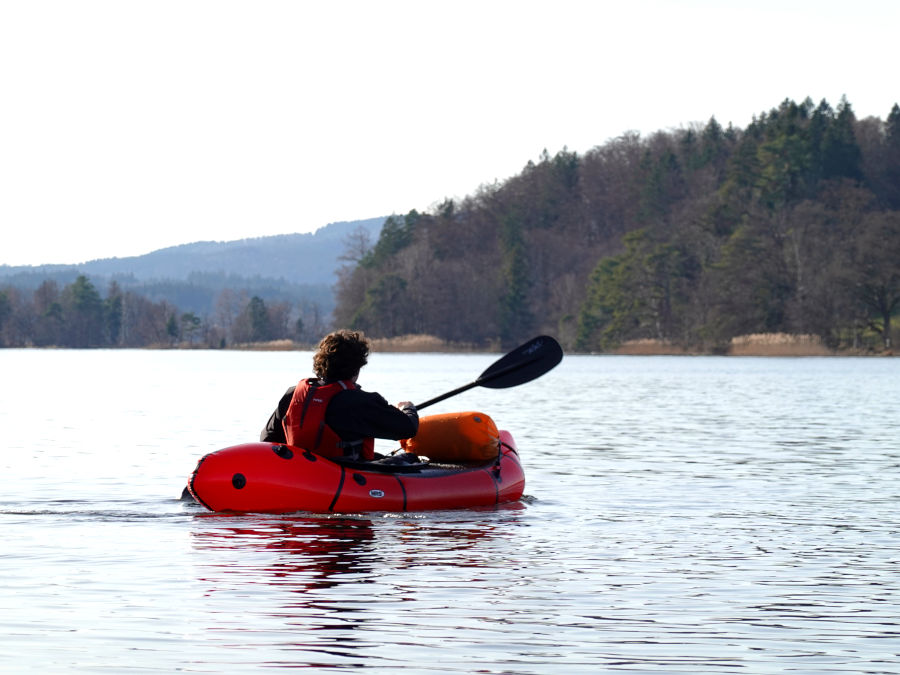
(403,405)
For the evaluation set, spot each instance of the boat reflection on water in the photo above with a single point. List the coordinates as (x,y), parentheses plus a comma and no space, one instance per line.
(317,548)
(334,574)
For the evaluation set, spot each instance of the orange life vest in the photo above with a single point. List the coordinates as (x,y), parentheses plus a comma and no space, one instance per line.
(304,421)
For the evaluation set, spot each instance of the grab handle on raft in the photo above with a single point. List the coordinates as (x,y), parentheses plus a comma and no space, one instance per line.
(523,364)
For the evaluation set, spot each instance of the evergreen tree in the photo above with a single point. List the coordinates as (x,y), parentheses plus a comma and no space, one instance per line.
(785,157)
(396,234)
(602,316)
(641,293)
(190,324)
(713,144)
(840,152)
(515,315)
(819,124)
(113,310)
(260,324)
(663,183)
(890,193)
(172,329)
(83,312)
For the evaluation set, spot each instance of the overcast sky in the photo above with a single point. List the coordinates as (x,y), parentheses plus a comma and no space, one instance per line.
(127,126)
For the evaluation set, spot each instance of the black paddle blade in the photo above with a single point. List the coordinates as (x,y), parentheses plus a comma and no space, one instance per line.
(523,364)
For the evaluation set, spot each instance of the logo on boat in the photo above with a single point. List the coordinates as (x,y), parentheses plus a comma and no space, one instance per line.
(378,494)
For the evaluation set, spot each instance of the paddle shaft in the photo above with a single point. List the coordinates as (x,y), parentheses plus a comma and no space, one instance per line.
(456,391)
(532,352)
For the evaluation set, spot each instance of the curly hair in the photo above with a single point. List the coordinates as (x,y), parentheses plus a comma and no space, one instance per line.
(341,355)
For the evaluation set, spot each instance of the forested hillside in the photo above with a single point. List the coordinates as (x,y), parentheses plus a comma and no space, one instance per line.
(692,236)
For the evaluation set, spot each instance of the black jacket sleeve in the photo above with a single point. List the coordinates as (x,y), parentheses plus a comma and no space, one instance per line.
(358,414)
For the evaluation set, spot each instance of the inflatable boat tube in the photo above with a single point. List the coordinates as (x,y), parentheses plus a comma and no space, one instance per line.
(274,478)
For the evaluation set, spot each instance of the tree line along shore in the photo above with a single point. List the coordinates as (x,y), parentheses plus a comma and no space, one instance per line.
(780,238)
(773,344)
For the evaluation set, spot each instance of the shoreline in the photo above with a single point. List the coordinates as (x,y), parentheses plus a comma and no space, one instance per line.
(759,345)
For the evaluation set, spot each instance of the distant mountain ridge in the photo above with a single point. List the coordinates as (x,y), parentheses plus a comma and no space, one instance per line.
(302,258)
(298,269)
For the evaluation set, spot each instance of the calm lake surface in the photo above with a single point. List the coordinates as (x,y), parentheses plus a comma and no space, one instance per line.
(682,514)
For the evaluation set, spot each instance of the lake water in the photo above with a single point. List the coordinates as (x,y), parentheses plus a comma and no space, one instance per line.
(682,514)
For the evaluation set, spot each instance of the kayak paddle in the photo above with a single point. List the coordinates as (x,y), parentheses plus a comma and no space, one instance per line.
(523,364)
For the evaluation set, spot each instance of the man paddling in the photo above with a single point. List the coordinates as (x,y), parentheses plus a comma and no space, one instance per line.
(330,414)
